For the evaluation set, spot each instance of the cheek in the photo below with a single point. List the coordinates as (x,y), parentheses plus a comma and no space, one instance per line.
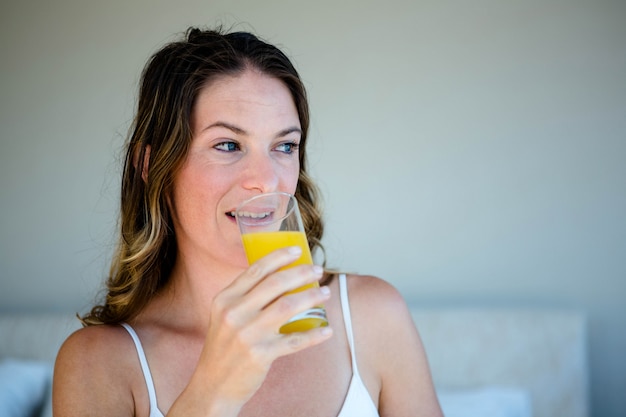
(191,196)
(184,204)
(289,179)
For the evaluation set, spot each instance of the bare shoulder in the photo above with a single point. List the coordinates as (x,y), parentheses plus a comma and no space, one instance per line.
(382,321)
(376,299)
(94,346)
(95,338)
(389,350)
(92,373)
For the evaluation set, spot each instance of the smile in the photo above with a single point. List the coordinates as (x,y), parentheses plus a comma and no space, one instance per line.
(261,215)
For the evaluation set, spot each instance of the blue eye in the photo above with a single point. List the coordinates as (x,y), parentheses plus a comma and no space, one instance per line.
(288,148)
(227,146)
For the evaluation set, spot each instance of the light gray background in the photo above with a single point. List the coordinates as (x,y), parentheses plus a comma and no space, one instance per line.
(471,153)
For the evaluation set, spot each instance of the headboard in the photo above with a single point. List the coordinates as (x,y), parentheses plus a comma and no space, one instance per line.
(542,352)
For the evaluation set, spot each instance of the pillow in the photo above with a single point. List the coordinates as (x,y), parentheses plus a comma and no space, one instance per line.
(488,401)
(23,386)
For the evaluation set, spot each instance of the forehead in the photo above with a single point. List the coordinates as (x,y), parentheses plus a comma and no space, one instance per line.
(250,90)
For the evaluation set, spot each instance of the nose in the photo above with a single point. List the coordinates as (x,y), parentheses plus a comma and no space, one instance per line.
(261,173)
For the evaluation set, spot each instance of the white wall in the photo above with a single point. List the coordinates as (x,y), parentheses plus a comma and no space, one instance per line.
(472,153)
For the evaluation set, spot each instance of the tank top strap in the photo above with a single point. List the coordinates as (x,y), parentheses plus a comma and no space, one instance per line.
(144,368)
(358,401)
(347,319)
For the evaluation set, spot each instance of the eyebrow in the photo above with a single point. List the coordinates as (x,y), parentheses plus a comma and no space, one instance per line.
(241,131)
(228,126)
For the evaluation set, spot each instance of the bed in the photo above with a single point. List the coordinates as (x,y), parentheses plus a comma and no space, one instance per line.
(485,362)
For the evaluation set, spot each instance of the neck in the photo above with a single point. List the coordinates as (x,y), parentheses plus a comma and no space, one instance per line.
(193,284)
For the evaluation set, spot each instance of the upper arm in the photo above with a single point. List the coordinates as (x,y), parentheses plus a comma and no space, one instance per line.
(393,353)
(89,377)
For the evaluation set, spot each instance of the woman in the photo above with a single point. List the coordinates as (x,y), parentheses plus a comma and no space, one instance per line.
(187,328)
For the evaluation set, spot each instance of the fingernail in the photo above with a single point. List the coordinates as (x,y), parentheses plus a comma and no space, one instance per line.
(318,270)
(295,250)
(325,290)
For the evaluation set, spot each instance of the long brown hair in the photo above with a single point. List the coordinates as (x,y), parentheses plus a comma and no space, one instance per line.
(169,86)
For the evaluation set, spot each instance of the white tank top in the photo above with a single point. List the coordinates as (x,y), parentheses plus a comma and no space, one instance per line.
(358,402)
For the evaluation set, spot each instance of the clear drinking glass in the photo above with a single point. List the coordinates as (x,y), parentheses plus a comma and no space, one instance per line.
(272,221)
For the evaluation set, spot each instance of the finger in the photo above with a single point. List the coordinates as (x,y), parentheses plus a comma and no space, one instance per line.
(281,310)
(243,309)
(290,343)
(278,283)
(265,266)
(237,309)
(286,344)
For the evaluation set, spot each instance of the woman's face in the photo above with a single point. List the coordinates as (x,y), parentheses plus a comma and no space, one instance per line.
(246,135)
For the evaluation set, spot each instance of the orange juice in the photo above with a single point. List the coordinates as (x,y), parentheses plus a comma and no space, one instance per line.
(259,244)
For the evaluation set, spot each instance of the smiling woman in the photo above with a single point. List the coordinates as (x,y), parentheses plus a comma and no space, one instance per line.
(187,328)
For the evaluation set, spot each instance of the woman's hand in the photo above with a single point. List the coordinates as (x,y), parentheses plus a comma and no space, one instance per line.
(243,337)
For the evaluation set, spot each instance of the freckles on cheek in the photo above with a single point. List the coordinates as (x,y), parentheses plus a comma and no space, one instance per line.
(188,200)
(293,179)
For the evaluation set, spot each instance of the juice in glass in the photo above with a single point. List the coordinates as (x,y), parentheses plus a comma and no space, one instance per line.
(259,244)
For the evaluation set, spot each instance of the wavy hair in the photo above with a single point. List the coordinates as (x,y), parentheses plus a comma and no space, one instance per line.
(169,86)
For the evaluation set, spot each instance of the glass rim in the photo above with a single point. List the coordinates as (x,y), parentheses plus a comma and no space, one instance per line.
(280,195)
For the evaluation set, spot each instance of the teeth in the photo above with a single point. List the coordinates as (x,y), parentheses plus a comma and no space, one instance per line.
(252,215)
